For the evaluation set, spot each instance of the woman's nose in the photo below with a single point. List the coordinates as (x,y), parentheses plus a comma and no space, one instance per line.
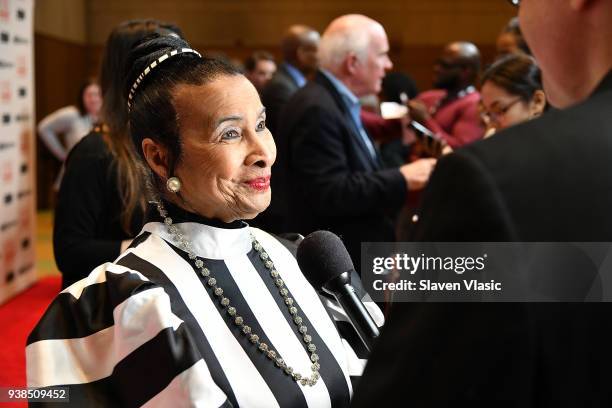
(263,150)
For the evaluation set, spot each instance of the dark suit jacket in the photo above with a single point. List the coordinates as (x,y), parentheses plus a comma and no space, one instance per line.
(275,96)
(329,179)
(546,180)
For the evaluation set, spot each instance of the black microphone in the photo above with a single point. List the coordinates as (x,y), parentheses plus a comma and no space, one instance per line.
(327,265)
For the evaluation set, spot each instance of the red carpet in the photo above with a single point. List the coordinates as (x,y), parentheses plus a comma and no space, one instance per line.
(17,318)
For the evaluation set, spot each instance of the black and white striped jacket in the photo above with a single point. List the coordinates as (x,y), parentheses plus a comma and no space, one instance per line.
(146,331)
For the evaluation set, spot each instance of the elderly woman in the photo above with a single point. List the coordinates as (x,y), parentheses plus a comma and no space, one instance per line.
(201,310)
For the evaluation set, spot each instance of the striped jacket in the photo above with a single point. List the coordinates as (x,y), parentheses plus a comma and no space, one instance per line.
(147,331)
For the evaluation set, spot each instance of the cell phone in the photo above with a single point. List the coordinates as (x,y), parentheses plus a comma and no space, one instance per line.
(431,142)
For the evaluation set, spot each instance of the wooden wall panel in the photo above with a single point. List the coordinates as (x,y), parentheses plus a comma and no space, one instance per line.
(417,30)
(60,67)
(257,23)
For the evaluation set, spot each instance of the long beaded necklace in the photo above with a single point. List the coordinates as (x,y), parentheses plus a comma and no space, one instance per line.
(211,283)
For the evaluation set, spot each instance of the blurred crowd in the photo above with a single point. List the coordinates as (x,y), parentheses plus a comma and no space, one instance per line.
(355,146)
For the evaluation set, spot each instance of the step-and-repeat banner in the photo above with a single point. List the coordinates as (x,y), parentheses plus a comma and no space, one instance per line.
(17,183)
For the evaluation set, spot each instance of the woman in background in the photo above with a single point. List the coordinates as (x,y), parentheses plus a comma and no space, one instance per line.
(63,129)
(511,40)
(511,92)
(101,202)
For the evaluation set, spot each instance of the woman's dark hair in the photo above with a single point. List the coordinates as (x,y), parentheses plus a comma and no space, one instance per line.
(517,74)
(80,103)
(514,28)
(114,114)
(152,114)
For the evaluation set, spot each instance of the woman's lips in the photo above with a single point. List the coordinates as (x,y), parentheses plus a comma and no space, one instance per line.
(260,183)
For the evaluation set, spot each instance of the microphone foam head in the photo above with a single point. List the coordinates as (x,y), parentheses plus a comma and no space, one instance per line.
(322,256)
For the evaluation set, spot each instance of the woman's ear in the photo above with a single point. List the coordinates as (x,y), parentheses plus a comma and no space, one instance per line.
(156,157)
(538,103)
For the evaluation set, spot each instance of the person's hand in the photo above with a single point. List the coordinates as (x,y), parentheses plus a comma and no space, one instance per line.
(417,173)
(418,111)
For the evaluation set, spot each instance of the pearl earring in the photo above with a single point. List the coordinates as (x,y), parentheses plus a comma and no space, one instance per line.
(173,184)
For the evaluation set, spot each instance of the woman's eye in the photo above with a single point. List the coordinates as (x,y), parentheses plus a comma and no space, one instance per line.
(261,125)
(230,134)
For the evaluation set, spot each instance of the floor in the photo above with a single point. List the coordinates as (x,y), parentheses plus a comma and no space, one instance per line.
(45,263)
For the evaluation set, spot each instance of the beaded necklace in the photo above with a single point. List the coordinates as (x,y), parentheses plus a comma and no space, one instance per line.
(212,285)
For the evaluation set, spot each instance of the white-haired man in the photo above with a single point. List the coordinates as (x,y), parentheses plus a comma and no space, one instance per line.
(328,167)
(548,180)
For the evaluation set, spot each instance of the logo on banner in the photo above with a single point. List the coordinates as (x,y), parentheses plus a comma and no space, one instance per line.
(4,10)
(5,64)
(9,254)
(5,91)
(20,40)
(22,92)
(22,66)
(7,172)
(6,118)
(24,144)
(22,117)
(4,37)
(6,145)
(21,14)
(25,220)
(8,225)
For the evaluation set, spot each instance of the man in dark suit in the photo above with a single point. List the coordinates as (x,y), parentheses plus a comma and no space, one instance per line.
(547,180)
(299,47)
(328,167)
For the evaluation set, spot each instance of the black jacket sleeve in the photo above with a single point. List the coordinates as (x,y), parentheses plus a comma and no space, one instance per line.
(462,203)
(274,97)
(83,236)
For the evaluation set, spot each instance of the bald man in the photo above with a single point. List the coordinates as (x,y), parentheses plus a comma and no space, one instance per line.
(299,47)
(451,110)
(332,171)
(548,180)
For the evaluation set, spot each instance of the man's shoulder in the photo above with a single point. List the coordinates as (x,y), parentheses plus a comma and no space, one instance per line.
(279,82)
(90,148)
(558,131)
(312,94)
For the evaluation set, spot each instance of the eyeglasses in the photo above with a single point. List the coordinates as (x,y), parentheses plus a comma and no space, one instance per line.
(494,115)
(515,3)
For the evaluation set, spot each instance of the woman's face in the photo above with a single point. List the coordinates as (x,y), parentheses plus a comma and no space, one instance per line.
(504,109)
(226,150)
(92,99)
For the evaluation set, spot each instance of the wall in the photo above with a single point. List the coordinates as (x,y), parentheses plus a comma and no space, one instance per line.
(62,19)
(417,29)
(61,57)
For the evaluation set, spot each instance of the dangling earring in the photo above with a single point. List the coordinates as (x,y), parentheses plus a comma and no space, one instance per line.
(173,184)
